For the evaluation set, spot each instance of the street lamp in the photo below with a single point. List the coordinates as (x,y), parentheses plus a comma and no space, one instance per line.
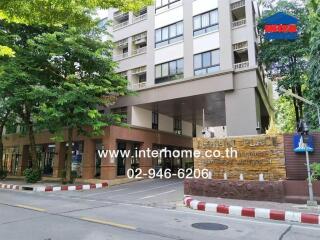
(303,129)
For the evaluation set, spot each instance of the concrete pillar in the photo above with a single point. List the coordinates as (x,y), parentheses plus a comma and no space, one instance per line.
(108,165)
(188,38)
(59,159)
(150,46)
(24,157)
(225,34)
(88,161)
(145,162)
(241,112)
(252,55)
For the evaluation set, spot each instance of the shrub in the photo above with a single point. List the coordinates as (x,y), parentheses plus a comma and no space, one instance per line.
(31,175)
(3,174)
(315,167)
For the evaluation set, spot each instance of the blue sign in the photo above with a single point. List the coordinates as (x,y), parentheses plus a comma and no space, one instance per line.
(280,26)
(299,146)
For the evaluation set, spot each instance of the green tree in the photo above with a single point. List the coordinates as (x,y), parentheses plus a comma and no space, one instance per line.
(59,12)
(22,77)
(314,73)
(286,61)
(285,115)
(84,78)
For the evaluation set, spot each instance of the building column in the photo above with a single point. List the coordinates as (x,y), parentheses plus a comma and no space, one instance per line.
(145,162)
(108,164)
(88,161)
(225,35)
(188,39)
(59,159)
(23,163)
(241,112)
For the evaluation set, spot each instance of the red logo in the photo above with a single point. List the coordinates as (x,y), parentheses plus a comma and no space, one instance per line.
(280,28)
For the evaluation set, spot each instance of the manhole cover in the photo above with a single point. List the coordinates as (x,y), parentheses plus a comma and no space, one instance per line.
(210,226)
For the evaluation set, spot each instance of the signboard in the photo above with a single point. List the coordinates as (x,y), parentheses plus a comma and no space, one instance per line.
(298,145)
(255,155)
(280,26)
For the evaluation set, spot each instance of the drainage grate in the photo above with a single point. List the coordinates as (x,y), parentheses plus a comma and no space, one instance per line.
(210,226)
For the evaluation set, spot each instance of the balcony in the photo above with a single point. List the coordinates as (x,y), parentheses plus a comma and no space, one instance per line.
(241,65)
(122,43)
(240,46)
(139,51)
(140,18)
(137,86)
(238,4)
(120,56)
(239,23)
(120,25)
(120,15)
(139,70)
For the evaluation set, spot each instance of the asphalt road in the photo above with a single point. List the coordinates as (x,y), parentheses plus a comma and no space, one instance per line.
(144,210)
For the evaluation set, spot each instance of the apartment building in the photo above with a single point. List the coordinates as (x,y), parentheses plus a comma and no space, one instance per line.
(193,64)
(193,60)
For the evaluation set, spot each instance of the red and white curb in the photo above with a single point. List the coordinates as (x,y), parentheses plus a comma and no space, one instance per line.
(261,213)
(10,186)
(55,188)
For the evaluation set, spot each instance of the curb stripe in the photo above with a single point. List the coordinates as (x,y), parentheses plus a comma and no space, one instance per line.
(278,215)
(56,188)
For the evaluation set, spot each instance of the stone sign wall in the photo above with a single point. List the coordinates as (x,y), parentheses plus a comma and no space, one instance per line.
(256,155)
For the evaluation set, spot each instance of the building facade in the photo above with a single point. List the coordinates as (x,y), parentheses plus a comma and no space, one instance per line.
(193,64)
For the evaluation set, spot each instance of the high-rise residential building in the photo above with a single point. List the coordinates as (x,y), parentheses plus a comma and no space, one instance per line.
(193,65)
(192,58)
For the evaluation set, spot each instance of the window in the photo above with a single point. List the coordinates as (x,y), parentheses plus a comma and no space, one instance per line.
(169,71)
(169,34)
(165,4)
(122,112)
(207,62)
(177,126)
(155,120)
(205,22)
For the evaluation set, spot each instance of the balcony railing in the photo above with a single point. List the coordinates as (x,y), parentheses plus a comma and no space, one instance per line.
(139,36)
(240,46)
(239,23)
(139,70)
(137,86)
(139,51)
(120,56)
(140,18)
(241,65)
(120,14)
(120,25)
(238,4)
(122,43)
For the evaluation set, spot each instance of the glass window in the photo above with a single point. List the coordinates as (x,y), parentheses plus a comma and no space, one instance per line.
(158,35)
(206,59)
(214,17)
(165,33)
(179,28)
(207,62)
(173,30)
(197,22)
(215,57)
(180,66)
(173,68)
(197,61)
(158,71)
(205,20)
(165,70)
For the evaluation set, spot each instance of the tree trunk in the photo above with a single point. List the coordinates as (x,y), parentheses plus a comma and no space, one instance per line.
(69,156)
(296,108)
(33,150)
(1,148)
